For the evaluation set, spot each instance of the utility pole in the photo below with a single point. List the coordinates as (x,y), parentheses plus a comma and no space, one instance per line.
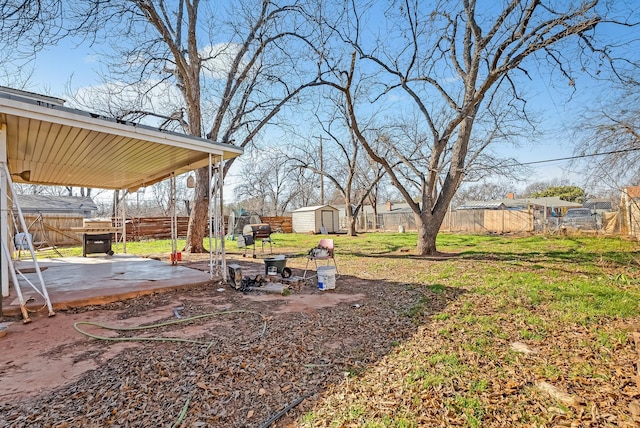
(321,173)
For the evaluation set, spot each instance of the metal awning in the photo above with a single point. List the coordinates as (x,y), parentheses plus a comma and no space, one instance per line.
(43,142)
(47,143)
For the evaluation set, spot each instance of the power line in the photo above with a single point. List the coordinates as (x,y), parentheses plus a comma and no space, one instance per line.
(613,152)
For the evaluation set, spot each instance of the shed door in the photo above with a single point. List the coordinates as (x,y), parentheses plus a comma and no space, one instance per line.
(327,221)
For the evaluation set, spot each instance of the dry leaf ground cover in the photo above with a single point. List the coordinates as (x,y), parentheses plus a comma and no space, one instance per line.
(511,331)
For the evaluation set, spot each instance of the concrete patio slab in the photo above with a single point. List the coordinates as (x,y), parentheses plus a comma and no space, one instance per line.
(95,280)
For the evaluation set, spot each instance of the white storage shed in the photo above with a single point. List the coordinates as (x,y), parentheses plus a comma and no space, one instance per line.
(316,219)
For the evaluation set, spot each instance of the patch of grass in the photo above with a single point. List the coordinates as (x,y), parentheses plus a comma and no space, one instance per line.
(308,419)
(445,332)
(479,385)
(449,362)
(612,340)
(582,370)
(480,345)
(425,379)
(436,288)
(531,335)
(549,371)
(441,317)
(470,407)
(419,309)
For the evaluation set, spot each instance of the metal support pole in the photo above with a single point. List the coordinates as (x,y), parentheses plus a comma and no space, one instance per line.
(4,215)
(223,263)
(174,219)
(210,215)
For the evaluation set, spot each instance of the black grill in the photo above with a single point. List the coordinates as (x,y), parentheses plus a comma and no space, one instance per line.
(96,243)
(253,232)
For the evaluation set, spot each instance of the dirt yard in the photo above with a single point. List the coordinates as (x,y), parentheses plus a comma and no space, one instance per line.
(259,353)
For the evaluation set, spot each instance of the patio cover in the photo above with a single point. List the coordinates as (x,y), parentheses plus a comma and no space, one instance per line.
(68,147)
(43,142)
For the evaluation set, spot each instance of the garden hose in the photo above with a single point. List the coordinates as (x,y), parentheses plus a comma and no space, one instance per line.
(77,325)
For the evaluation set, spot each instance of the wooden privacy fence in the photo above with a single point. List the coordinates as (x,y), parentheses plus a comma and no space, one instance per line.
(55,230)
(160,227)
(279,224)
(50,230)
(488,221)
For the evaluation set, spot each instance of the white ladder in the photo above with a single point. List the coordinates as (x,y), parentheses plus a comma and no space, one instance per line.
(13,270)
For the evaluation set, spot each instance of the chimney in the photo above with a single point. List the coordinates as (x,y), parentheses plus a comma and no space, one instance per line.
(510,195)
(389,205)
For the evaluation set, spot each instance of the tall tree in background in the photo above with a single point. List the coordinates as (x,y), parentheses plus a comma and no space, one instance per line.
(217,70)
(338,158)
(268,179)
(566,193)
(613,131)
(457,65)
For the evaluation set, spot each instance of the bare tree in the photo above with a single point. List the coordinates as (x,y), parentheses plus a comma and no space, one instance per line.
(268,178)
(232,70)
(483,191)
(540,186)
(609,140)
(345,165)
(458,66)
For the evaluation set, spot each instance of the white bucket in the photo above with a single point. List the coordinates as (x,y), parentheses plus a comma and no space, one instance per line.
(326,277)
(20,241)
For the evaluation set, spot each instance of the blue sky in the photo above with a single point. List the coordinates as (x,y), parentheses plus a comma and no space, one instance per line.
(67,64)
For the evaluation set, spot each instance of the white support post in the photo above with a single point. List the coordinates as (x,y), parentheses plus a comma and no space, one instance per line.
(4,215)
(209,215)
(223,262)
(124,222)
(174,219)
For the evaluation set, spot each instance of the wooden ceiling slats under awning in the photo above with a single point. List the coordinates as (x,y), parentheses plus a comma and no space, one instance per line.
(61,146)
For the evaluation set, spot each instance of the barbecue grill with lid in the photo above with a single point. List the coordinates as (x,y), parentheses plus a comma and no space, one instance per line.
(253,232)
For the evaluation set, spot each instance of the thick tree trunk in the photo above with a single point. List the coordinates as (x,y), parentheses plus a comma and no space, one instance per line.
(351,225)
(199,213)
(428,228)
(427,233)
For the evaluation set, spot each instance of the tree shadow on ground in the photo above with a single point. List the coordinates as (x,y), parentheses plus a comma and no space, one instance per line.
(246,374)
(614,258)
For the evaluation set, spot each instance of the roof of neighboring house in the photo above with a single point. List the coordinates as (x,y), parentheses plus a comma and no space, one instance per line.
(58,204)
(483,205)
(598,204)
(518,203)
(314,208)
(553,201)
(632,191)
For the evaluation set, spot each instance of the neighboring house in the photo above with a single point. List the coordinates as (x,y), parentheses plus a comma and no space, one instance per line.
(50,219)
(45,204)
(316,219)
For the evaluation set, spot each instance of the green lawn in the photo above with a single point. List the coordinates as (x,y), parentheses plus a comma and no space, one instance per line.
(575,301)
